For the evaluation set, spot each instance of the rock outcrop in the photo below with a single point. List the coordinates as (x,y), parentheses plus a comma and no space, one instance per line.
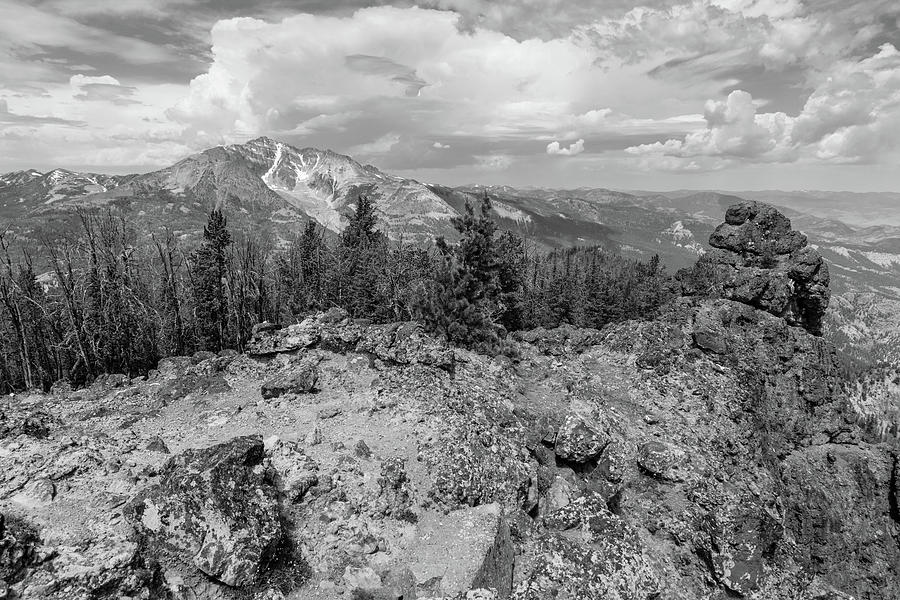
(768,265)
(396,343)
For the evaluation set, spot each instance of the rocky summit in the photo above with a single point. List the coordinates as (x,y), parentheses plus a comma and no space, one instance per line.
(711,453)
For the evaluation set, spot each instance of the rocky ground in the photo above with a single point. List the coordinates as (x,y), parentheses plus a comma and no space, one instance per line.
(709,454)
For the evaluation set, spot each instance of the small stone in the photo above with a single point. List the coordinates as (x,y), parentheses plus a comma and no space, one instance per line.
(314,437)
(361,450)
(329,412)
(157,445)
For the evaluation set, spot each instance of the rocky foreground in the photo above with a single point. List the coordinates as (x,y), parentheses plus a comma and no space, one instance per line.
(708,454)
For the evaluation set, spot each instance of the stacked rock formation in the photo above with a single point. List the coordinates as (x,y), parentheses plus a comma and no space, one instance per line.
(763,262)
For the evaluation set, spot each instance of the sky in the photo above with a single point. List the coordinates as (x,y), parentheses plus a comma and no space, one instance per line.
(662,94)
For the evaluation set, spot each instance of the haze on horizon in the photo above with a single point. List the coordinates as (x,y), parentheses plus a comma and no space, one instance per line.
(704,94)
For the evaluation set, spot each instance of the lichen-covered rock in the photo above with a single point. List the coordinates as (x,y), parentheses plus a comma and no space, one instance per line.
(18,550)
(267,341)
(580,439)
(215,509)
(587,552)
(395,499)
(765,264)
(299,380)
(740,537)
(295,472)
(661,460)
(479,454)
(838,509)
(396,343)
(763,349)
(109,566)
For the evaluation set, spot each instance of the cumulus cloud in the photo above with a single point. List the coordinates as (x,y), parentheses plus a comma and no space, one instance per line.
(849,117)
(573,149)
(390,72)
(771,32)
(733,130)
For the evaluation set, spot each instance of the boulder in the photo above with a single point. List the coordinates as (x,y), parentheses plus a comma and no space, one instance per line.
(268,341)
(33,423)
(215,509)
(580,439)
(406,344)
(559,494)
(301,380)
(477,539)
(661,460)
(586,551)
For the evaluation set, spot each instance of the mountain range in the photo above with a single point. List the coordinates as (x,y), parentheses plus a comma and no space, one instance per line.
(266,185)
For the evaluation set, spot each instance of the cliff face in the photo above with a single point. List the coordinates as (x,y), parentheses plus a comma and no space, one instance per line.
(708,454)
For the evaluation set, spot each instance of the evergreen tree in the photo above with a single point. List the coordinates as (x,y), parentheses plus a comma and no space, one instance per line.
(209,285)
(361,227)
(361,255)
(465,293)
(511,259)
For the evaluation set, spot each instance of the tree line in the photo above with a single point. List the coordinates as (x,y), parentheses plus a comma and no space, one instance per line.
(106,299)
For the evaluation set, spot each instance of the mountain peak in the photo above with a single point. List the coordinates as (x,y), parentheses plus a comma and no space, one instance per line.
(262,140)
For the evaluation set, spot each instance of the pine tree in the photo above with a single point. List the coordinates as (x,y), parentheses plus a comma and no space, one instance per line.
(210,269)
(465,293)
(361,227)
(362,254)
